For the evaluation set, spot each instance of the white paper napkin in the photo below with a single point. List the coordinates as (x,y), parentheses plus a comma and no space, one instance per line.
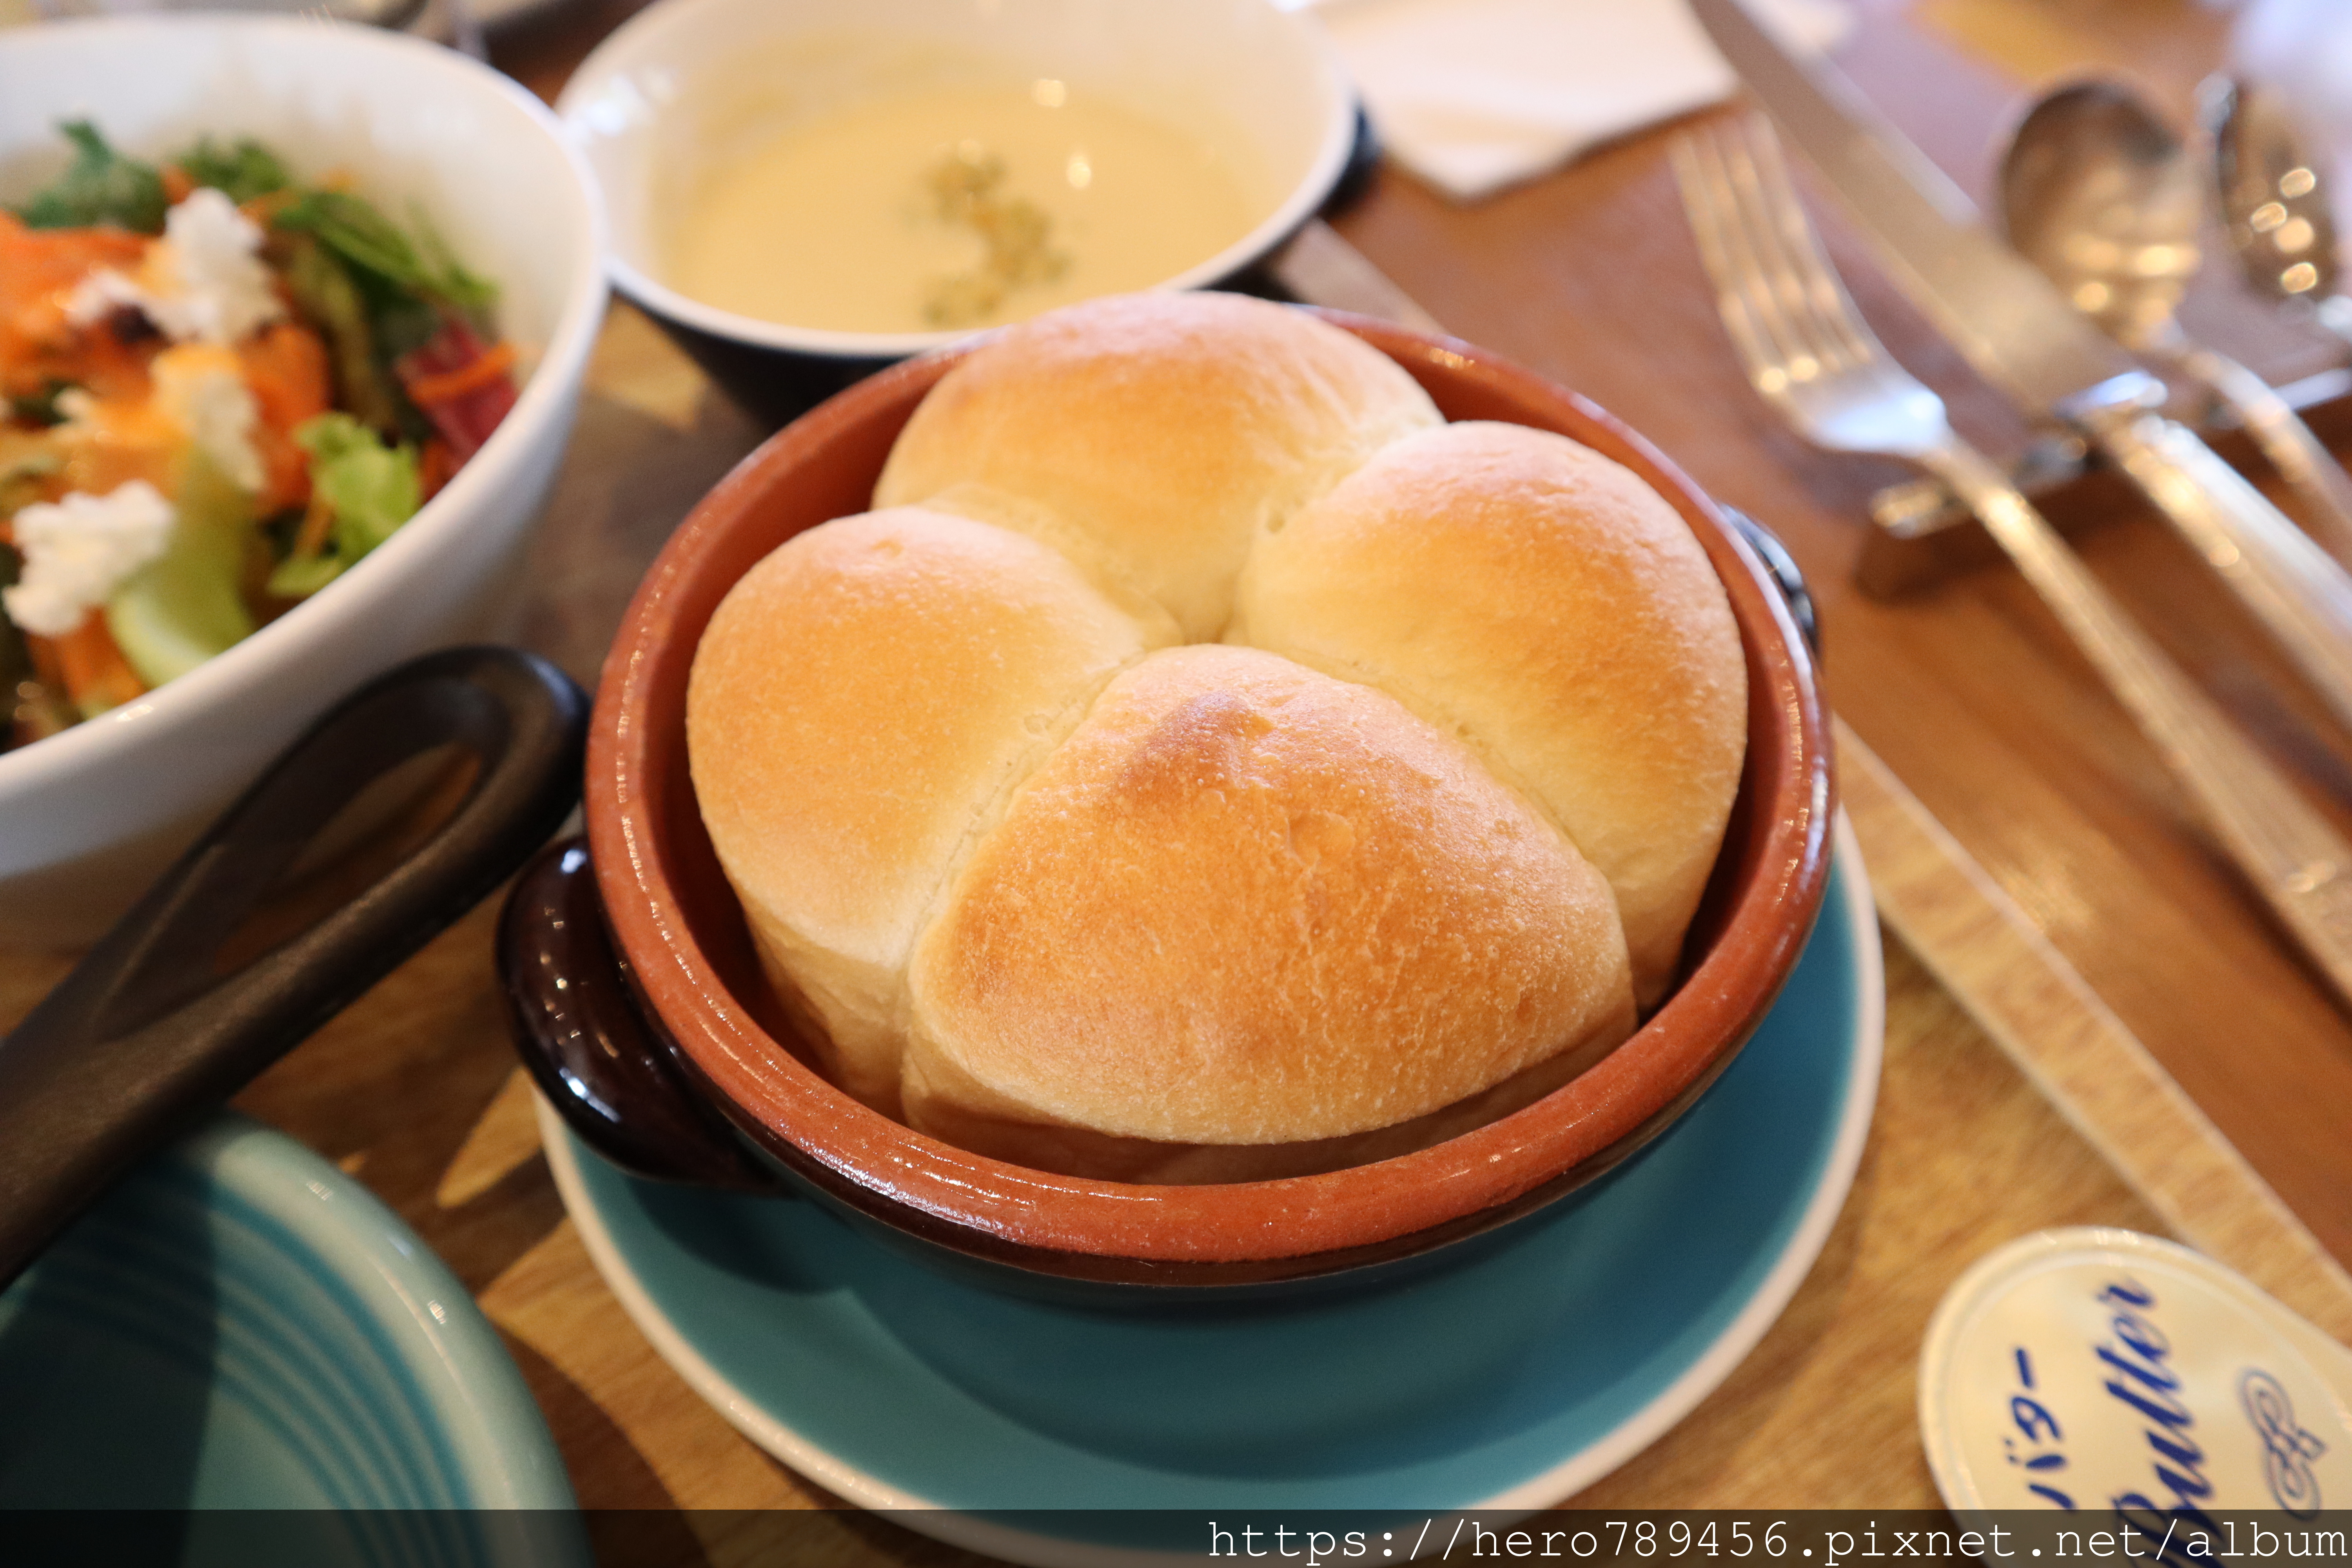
(1472,95)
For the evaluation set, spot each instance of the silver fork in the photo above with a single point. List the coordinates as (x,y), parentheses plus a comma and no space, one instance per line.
(1808,350)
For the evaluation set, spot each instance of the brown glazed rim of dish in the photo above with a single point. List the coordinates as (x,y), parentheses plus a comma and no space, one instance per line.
(682,933)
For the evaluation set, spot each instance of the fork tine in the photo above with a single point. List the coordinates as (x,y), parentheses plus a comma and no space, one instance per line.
(1837,324)
(1693,180)
(1743,295)
(1816,351)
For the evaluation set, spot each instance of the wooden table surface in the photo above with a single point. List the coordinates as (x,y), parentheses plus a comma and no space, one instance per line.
(1967,690)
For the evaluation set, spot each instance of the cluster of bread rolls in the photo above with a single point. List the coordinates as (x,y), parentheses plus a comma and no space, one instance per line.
(1206,763)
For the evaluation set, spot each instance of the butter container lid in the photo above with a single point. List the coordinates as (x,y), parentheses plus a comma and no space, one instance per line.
(2104,1369)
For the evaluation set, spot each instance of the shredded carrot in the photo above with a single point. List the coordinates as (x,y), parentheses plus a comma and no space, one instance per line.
(39,270)
(436,466)
(177,185)
(311,537)
(95,674)
(36,707)
(285,364)
(47,668)
(267,205)
(492,364)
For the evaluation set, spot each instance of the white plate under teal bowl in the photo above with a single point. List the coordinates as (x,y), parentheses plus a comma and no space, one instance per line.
(1509,1381)
(240,1325)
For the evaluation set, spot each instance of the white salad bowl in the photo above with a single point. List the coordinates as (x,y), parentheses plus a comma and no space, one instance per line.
(88,817)
(688,86)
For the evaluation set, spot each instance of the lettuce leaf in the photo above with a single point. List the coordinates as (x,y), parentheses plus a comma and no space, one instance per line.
(242,171)
(403,286)
(323,291)
(101,187)
(184,606)
(356,231)
(373,488)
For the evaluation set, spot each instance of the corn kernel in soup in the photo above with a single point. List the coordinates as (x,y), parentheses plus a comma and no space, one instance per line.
(953,208)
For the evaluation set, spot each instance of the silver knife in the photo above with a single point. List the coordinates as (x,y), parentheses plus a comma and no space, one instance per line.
(2025,337)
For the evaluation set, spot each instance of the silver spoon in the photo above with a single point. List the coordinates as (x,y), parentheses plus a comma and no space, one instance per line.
(2274,198)
(2099,192)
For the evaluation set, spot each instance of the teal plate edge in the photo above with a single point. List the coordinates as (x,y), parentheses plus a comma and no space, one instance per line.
(1507,1382)
(460,1393)
(422,1317)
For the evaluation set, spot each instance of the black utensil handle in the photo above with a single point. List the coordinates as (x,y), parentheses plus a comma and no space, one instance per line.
(1786,576)
(602,1060)
(150,1033)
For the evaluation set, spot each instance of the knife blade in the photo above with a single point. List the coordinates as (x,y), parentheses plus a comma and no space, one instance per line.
(2023,335)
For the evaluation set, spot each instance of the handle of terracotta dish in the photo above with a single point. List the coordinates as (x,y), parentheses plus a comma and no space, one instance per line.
(1785,574)
(165,1018)
(606,1064)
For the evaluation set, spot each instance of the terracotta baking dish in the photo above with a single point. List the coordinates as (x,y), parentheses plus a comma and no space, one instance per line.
(715,1075)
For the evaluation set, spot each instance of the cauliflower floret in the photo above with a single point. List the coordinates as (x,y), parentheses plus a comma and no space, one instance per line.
(78,551)
(202,281)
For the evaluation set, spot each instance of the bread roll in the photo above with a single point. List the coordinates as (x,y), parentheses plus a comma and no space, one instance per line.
(1054,873)
(1244,904)
(1152,437)
(1545,604)
(859,705)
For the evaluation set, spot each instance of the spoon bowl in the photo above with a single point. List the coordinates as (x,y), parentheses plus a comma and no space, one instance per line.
(2099,193)
(2274,200)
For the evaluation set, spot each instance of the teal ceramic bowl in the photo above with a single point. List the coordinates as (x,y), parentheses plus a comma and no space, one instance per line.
(1055,1435)
(240,1326)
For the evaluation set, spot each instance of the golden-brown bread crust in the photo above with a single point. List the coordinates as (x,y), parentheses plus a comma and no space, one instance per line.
(1244,904)
(859,706)
(1540,600)
(952,1107)
(1058,892)
(1151,436)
